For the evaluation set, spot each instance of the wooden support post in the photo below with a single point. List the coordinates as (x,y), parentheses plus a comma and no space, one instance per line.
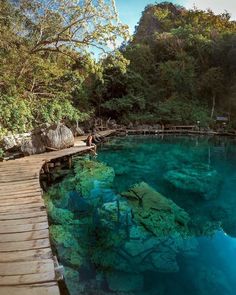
(70,162)
(46,168)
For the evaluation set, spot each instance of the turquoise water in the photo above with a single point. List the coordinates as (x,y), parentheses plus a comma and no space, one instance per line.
(178,237)
(212,269)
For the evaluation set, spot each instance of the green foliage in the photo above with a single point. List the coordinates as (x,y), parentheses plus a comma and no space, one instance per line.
(183,111)
(180,65)
(46,70)
(1,153)
(15,114)
(182,69)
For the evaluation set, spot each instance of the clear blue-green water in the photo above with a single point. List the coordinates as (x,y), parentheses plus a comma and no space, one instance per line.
(125,253)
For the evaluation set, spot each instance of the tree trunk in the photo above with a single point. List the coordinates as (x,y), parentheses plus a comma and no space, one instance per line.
(213,105)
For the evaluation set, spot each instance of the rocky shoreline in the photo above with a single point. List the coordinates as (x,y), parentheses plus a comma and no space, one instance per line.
(58,136)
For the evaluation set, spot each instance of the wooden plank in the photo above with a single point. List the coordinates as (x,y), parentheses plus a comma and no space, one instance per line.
(22,208)
(17,189)
(23,268)
(15,216)
(29,255)
(22,228)
(21,185)
(22,221)
(15,201)
(42,277)
(42,289)
(18,196)
(23,211)
(14,172)
(17,179)
(24,245)
(25,236)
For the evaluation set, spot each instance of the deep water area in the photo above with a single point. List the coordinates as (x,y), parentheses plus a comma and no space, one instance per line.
(151,215)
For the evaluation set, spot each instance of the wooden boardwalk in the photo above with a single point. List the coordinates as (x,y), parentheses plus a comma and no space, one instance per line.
(26,260)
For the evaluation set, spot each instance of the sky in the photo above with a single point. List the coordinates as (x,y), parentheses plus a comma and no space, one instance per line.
(130,10)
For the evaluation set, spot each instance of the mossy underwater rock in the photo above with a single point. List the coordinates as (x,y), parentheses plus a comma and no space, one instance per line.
(58,215)
(154,212)
(89,174)
(152,238)
(67,245)
(72,280)
(198,179)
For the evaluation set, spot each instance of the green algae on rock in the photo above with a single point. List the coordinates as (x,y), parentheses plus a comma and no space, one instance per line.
(89,173)
(57,215)
(155,212)
(72,280)
(67,245)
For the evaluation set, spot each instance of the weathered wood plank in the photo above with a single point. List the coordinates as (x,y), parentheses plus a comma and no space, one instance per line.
(19,183)
(17,196)
(25,236)
(29,255)
(20,186)
(42,289)
(24,245)
(4,229)
(17,179)
(22,268)
(21,208)
(15,216)
(12,201)
(31,220)
(42,277)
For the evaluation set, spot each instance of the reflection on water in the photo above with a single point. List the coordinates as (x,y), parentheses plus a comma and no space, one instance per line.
(158,219)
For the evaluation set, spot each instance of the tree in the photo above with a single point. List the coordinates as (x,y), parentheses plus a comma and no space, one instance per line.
(213,83)
(59,25)
(46,64)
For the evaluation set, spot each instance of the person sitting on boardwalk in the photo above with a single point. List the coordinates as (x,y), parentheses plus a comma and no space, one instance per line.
(90,142)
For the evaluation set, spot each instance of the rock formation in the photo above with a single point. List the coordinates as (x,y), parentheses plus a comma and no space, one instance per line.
(200,179)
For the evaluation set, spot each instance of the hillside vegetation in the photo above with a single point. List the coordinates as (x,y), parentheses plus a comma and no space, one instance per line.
(182,68)
(180,65)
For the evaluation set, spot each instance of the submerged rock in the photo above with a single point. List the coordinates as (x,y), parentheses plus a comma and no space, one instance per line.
(197,179)
(154,212)
(91,175)
(67,244)
(124,282)
(58,215)
(210,281)
(152,238)
(72,280)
